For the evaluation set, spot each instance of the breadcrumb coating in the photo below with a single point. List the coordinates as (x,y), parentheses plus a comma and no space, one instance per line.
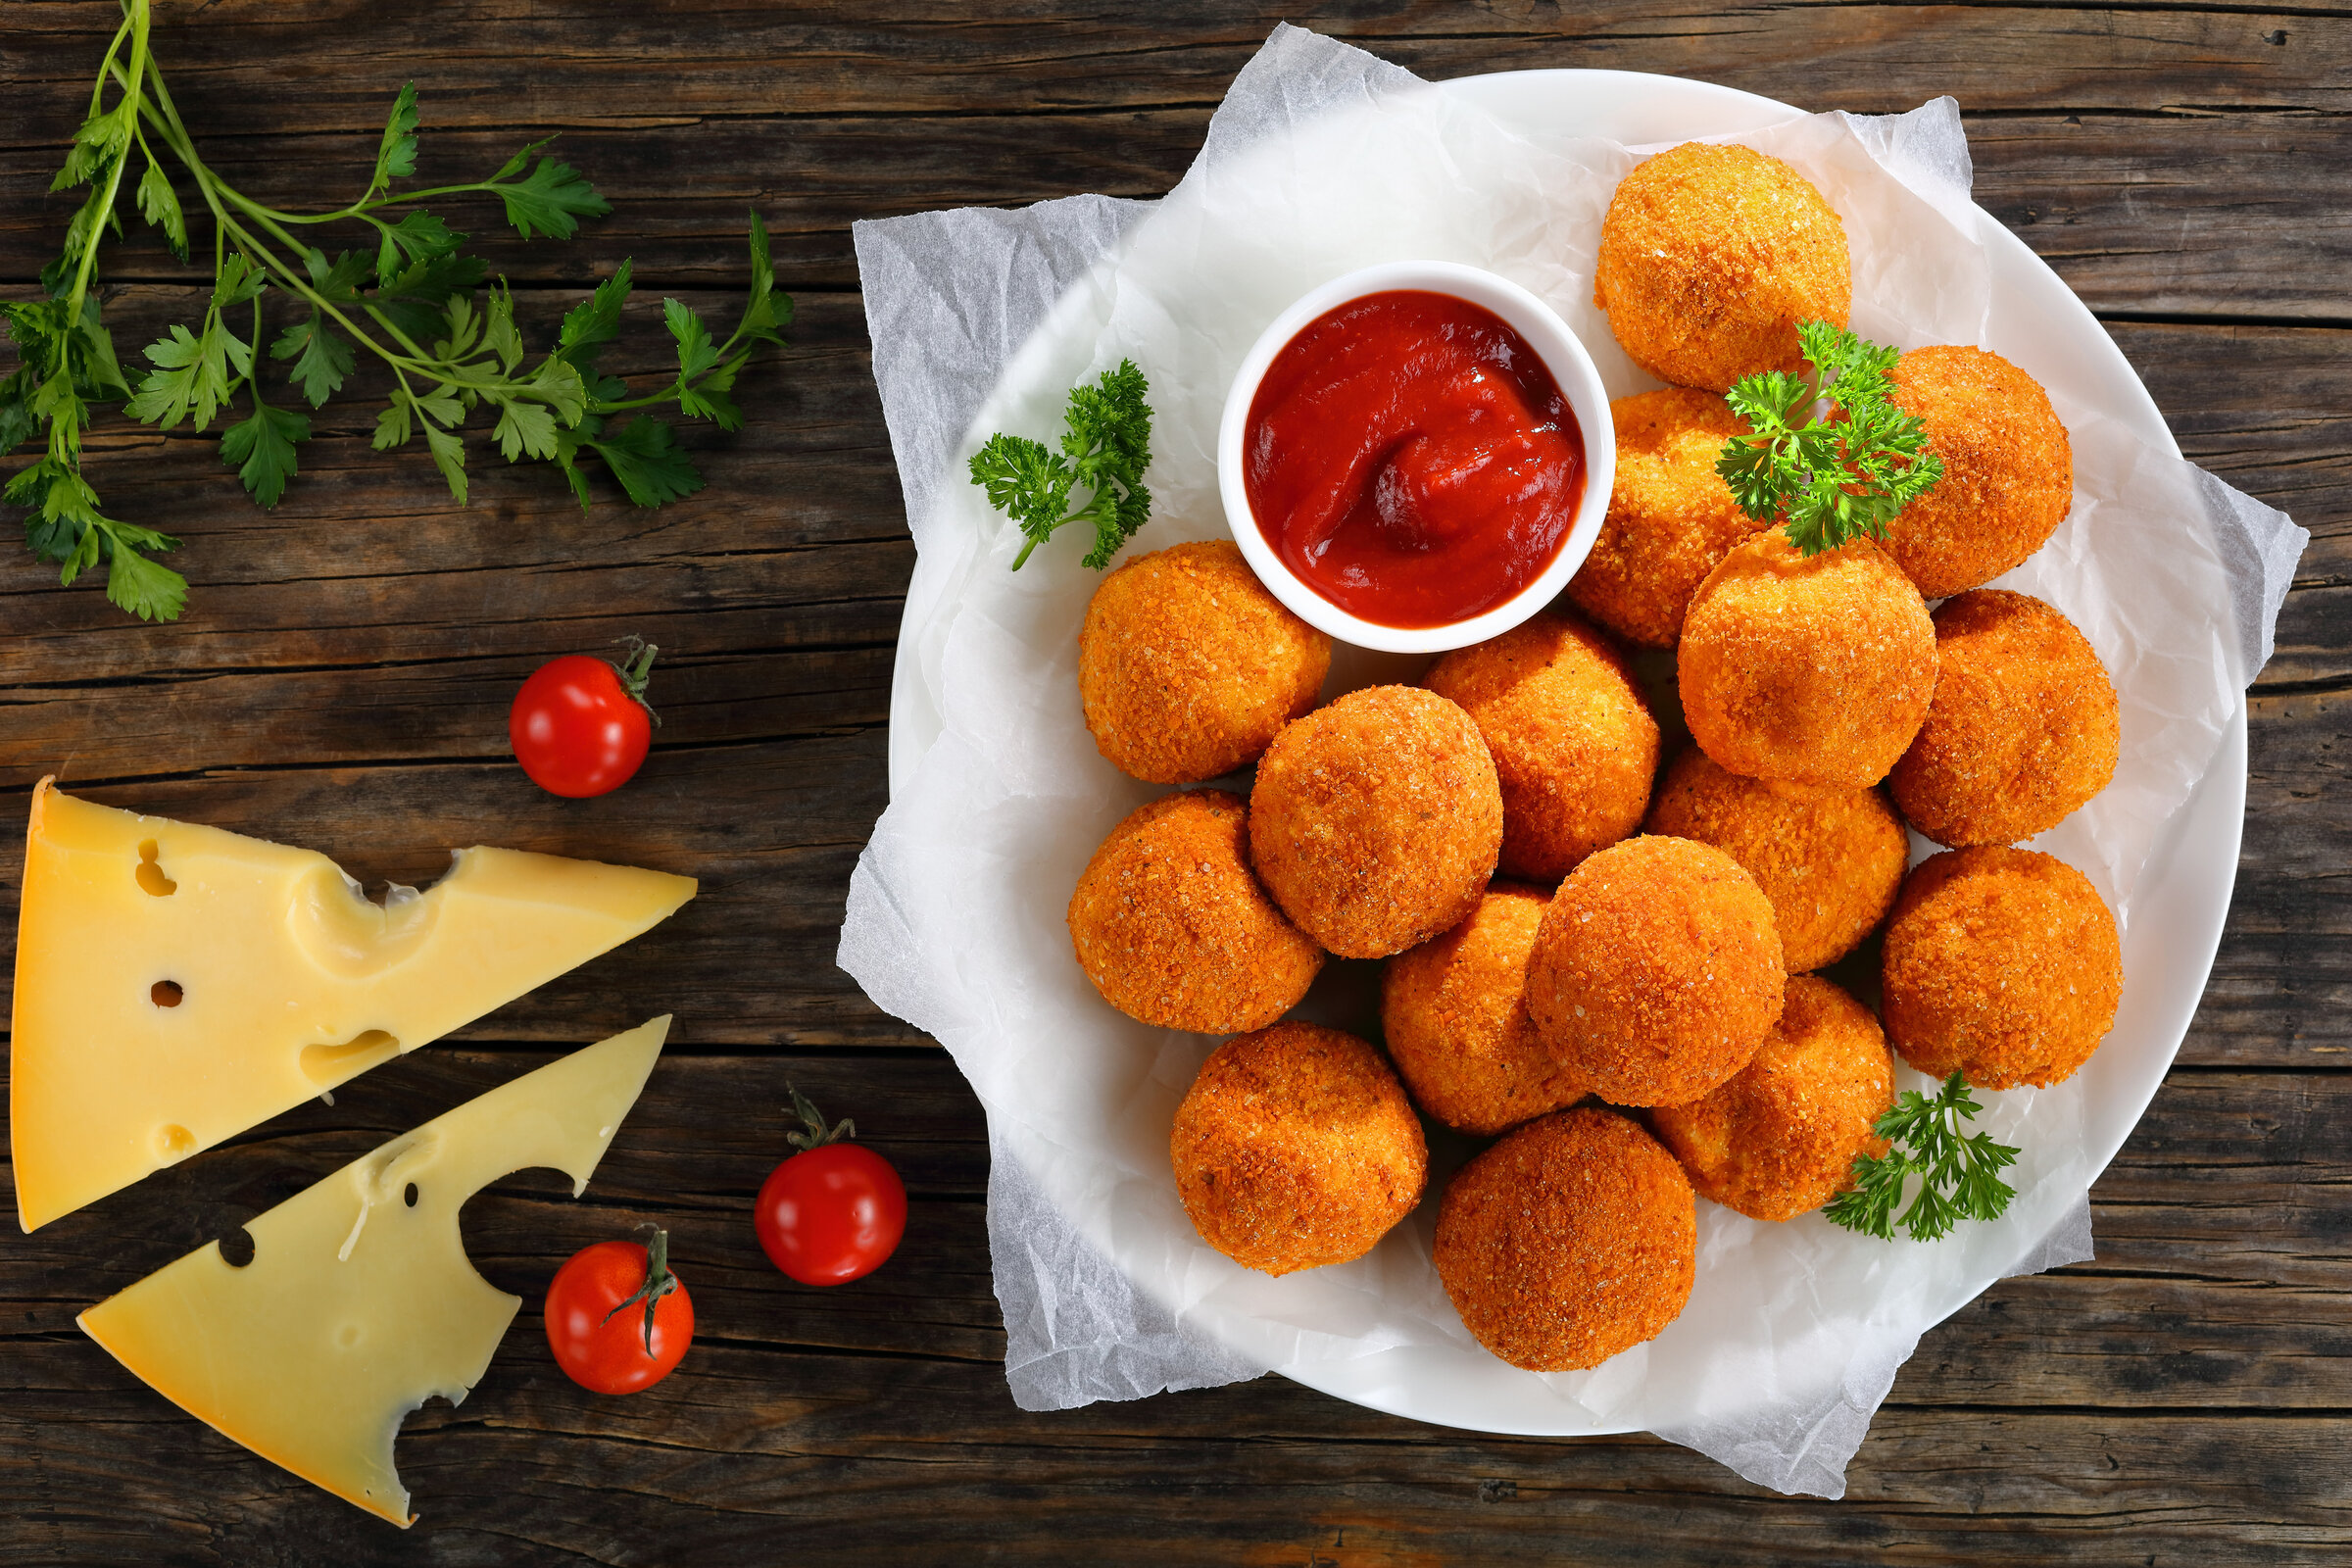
(1656,971)
(1375,822)
(1296,1146)
(1814,671)
(1571,1240)
(1454,1014)
(1711,256)
(1829,860)
(2001,963)
(1572,741)
(2008,470)
(1173,927)
(1780,1139)
(1188,668)
(2024,729)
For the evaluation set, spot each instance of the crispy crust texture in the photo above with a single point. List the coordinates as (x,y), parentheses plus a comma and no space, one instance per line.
(1656,971)
(1571,1240)
(1709,257)
(1572,741)
(1780,1139)
(2008,470)
(1454,1014)
(1671,517)
(2001,963)
(1376,820)
(1829,860)
(1296,1146)
(1188,668)
(1808,671)
(2024,729)
(1173,927)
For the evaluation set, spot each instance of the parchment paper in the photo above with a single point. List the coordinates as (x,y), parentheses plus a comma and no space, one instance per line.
(1320,160)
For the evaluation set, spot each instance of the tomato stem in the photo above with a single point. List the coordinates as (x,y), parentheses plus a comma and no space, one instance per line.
(636,669)
(816,1136)
(658,1280)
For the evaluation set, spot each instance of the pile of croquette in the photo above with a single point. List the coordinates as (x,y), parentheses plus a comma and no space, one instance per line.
(1599,954)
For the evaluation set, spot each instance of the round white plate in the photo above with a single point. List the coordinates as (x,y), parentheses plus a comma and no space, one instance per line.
(2184,889)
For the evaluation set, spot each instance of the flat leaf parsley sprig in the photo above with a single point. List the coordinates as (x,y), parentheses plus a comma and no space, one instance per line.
(1106,447)
(1834,475)
(1959,1177)
(408,297)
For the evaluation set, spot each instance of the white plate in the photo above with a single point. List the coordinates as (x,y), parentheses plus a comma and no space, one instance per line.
(2184,889)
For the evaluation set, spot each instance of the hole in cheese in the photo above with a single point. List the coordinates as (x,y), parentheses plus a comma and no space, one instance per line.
(166,993)
(409,1196)
(151,875)
(331,1065)
(237,1247)
(174,1141)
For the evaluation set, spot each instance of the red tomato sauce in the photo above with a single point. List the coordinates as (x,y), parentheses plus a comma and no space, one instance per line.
(1411,459)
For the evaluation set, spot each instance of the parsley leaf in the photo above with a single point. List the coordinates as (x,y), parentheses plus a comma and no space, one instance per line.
(554,198)
(396,154)
(1106,447)
(648,462)
(1842,475)
(321,358)
(1959,1177)
(262,449)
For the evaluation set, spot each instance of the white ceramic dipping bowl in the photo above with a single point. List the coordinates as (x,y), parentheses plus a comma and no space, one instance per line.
(1554,344)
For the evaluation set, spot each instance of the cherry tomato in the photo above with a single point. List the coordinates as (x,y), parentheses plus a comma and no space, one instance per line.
(597,1320)
(580,726)
(833,1213)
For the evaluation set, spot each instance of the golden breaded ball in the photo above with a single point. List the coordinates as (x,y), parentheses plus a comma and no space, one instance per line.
(1814,671)
(1656,971)
(1376,821)
(1296,1146)
(1571,1240)
(1173,927)
(2023,728)
(1829,860)
(2008,470)
(1671,517)
(1454,1012)
(1188,668)
(1711,256)
(2001,963)
(1780,1139)
(1574,744)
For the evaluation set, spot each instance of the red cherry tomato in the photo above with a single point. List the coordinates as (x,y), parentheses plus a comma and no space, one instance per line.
(596,1322)
(833,1213)
(580,726)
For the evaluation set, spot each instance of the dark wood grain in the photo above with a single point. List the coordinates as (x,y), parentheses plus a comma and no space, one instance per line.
(341,681)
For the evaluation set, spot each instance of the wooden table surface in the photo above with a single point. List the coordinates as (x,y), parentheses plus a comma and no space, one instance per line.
(341,681)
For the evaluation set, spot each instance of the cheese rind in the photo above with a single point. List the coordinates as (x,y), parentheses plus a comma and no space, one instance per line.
(177,984)
(358,1305)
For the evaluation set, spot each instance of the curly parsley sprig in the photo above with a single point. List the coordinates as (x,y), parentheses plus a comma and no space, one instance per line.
(408,297)
(1959,1177)
(1106,447)
(1838,474)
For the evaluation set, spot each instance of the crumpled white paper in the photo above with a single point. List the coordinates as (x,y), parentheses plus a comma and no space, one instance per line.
(1320,160)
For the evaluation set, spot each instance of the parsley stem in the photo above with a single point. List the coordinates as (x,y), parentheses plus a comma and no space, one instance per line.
(128,112)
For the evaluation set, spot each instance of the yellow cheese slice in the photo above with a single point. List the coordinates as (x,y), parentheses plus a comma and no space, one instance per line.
(358,1303)
(176,983)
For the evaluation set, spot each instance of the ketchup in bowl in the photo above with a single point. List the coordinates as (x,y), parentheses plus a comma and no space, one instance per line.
(1409,456)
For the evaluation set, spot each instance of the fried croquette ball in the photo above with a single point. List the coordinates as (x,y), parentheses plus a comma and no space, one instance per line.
(1571,1240)
(1454,1012)
(1656,971)
(1711,256)
(1572,741)
(1173,928)
(1813,671)
(2023,728)
(1376,820)
(2000,963)
(1671,517)
(1780,1139)
(1188,668)
(2008,472)
(1829,860)
(1296,1146)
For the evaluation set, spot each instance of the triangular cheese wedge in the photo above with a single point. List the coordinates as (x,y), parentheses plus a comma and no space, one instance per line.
(359,1302)
(176,985)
